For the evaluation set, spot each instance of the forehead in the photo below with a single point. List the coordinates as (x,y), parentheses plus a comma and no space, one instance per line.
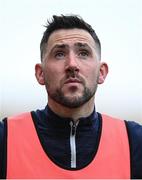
(70,37)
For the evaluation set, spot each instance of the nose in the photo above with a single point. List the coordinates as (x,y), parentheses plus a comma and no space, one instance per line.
(72,66)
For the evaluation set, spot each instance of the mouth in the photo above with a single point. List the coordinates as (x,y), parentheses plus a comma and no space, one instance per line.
(72,80)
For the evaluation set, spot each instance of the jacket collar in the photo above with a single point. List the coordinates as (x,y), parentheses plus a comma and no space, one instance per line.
(58,121)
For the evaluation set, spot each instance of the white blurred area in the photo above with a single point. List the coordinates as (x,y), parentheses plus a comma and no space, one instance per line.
(119,27)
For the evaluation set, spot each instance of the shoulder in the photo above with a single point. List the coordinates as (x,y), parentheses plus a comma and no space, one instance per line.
(134,131)
(1,133)
(1,128)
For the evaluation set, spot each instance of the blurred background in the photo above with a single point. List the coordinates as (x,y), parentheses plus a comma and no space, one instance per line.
(119,27)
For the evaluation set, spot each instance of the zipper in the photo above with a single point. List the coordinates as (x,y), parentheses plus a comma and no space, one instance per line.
(73,143)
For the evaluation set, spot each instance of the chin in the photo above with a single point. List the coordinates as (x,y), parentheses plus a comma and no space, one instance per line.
(73,96)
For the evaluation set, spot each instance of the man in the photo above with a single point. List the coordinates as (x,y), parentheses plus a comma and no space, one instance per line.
(69,139)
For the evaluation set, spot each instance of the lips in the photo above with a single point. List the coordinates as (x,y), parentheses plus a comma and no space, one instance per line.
(72,80)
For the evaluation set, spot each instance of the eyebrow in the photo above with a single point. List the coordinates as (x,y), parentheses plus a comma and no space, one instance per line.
(78,44)
(82,45)
(60,46)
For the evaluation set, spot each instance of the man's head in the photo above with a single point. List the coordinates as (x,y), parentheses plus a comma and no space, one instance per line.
(70,62)
(67,22)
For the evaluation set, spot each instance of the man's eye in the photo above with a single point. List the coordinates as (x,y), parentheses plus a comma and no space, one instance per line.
(83,54)
(59,55)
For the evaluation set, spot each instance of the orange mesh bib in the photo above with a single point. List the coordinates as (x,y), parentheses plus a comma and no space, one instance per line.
(26,158)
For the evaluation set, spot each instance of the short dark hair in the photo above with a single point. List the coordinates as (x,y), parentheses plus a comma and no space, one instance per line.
(67,22)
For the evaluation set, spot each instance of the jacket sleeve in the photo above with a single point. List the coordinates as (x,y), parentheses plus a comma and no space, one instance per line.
(135,140)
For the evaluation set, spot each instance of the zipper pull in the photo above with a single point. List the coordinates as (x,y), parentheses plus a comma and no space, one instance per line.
(73,127)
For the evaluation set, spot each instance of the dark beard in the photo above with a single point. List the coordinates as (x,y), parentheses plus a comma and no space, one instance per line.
(59,97)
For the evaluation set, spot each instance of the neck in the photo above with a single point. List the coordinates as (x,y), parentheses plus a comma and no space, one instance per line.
(74,113)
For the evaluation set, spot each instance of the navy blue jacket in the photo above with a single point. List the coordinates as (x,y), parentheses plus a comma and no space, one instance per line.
(54,132)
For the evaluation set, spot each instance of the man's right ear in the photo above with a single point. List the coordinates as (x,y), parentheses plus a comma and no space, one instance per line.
(39,74)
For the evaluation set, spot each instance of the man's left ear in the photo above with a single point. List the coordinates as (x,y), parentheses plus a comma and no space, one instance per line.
(103,72)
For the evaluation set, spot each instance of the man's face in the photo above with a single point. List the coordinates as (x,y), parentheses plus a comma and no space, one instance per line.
(70,67)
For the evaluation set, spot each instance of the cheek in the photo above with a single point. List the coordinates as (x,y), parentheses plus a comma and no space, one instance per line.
(92,77)
(52,77)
